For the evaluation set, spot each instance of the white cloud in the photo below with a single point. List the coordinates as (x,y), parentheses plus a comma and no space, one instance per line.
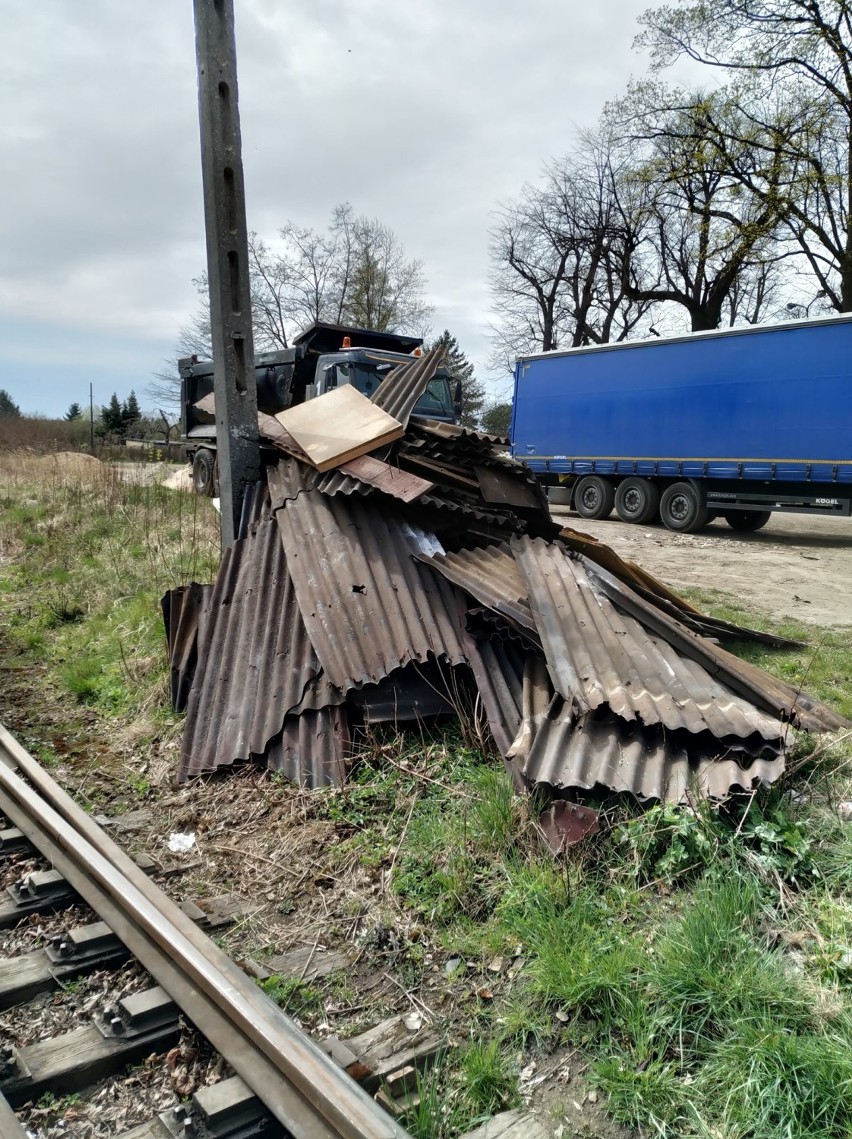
(423,115)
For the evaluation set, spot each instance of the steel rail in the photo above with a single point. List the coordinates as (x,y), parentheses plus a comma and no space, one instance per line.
(10,1126)
(302,1087)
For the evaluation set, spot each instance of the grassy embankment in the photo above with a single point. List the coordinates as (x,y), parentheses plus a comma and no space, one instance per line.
(84,560)
(699,958)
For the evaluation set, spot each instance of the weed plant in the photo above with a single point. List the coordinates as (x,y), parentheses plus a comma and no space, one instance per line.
(699,955)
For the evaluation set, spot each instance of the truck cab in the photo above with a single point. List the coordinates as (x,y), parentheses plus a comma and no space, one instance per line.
(322,358)
(365,369)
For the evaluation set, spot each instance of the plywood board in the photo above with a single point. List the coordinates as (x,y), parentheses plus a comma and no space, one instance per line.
(272,432)
(338,426)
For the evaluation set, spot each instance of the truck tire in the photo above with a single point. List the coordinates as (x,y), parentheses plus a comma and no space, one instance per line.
(594,497)
(204,480)
(747,519)
(680,509)
(637,500)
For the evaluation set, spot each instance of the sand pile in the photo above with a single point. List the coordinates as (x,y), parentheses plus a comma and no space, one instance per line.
(179,480)
(71,462)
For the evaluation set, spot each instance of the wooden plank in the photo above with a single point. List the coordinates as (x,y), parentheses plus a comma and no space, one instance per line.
(339,426)
(509,1125)
(391,480)
(390,1047)
(210,913)
(77,1059)
(307,964)
(59,896)
(22,978)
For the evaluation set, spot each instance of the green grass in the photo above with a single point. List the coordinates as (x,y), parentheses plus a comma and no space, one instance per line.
(460,1092)
(88,558)
(293,995)
(823,667)
(699,958)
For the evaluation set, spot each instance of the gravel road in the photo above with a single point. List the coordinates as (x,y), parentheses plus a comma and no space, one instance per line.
(798,565)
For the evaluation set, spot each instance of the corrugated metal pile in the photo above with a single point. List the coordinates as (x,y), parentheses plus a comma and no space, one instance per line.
(428,577)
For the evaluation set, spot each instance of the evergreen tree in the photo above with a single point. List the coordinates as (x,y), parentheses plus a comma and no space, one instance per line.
(8,408)
(497,418)
(460,368)
(73,412)
(112,420)
(130,411)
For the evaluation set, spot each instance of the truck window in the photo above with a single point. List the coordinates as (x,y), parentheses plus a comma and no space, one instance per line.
(436,400)
(366,377)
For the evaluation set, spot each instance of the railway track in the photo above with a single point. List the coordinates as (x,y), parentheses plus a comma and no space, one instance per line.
(285,1084)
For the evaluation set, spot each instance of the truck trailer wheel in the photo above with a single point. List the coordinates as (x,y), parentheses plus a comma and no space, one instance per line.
(204,478)
(637,500)
(680,509)
(594,497)
(747,519)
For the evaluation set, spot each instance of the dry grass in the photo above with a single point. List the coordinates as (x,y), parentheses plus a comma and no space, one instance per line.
(85,557)
(42,435)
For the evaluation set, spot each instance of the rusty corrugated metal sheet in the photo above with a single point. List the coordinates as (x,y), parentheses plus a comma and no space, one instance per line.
(647,762)
(314,749)
(490,575)
(411,694)
(563,824)
(773,696)
(499,674)
(453,431)
(255,662)
(182,610)
(399,392)
(545,743)
(659,595)
(454,510)
(597,655)
(510,486)
(368,606)
(256,508)
(288,478)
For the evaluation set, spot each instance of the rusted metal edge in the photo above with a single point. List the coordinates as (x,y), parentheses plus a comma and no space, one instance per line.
(766,692)
(399,392)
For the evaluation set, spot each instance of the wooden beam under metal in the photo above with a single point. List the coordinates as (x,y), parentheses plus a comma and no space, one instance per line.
(227,259)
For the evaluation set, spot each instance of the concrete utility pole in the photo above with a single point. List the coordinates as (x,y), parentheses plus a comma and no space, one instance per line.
(227,258)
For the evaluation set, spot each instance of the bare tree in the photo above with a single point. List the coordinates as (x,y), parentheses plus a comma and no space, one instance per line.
(691,236)
(794,63)
(555,279)
(270,281)
(356,272)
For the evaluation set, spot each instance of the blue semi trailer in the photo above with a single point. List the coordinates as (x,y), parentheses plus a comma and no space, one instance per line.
(739,422)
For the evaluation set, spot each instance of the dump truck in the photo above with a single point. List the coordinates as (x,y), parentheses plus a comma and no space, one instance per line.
(738,422)
(323,357)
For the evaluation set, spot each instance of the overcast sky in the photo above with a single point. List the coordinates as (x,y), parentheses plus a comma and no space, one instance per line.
(422,114)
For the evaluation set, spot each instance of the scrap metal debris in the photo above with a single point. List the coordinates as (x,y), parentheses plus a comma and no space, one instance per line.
(428,578)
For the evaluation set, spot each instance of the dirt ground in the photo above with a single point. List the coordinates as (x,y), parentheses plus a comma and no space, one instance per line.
(798,566)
